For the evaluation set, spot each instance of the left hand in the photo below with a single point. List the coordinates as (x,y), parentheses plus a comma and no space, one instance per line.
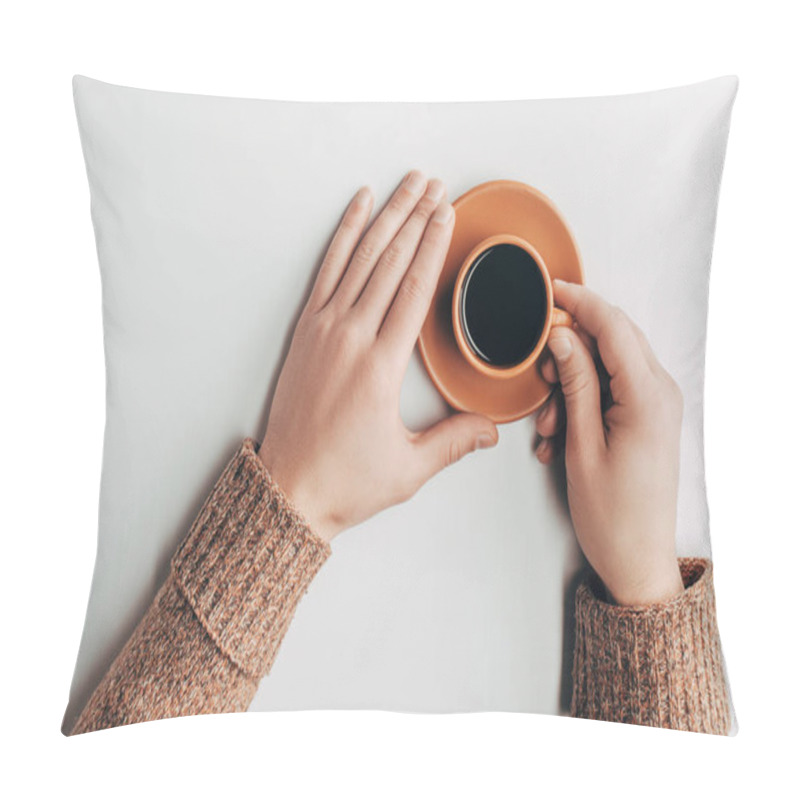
(335,442)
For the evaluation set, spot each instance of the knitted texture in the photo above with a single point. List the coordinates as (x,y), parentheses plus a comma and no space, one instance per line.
(216,624)
(169,667)
(658,665)
(246,562)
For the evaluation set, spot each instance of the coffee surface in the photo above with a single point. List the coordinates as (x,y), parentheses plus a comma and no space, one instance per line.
(503,305)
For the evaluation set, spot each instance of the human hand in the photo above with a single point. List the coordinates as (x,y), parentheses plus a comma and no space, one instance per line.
(335,442)
(621,449)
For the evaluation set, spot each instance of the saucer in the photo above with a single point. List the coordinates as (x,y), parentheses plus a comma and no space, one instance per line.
(491,208)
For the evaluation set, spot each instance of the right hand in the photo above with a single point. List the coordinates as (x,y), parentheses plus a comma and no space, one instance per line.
(622,455)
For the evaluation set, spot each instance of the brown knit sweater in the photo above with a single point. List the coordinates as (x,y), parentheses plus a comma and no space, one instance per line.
(215,626)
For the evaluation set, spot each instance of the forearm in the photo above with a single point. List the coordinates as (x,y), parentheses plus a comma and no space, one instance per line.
(215,627)
(170,667)
(658,665)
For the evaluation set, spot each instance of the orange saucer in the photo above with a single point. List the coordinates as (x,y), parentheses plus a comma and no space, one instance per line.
(493,208)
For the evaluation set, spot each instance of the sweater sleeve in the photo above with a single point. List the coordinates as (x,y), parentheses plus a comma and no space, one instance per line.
(215,626)
(658,665)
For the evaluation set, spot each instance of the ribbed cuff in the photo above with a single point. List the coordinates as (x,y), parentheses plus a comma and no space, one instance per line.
(658,665)
(246,562)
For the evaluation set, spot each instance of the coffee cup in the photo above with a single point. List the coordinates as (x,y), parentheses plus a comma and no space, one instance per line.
(503,306)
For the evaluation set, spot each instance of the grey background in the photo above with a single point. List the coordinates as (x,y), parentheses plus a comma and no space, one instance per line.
(211,215)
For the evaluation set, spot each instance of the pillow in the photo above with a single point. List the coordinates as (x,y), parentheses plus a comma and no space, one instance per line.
(211,215)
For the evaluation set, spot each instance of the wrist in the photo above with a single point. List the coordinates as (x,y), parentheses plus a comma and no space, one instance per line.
(300,500)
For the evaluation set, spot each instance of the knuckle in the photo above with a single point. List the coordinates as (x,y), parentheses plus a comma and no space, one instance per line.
(424,208)
(330,258)
(350,223)
(348,335)
(453,453)
(366,251)
(393,255)
(576,383)
(413,287)
(322,321)
(401,199)
(311,324)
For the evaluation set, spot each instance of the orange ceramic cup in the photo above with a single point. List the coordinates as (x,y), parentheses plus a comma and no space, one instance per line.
(554,316)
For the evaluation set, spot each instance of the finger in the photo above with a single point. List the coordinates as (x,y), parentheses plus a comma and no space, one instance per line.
(617,342)
(392,265)
(451,439)
(581,389)
(549,449)
(377,238)
(544,451)
(550,419)
(547,368)
(341,248)
(404,319)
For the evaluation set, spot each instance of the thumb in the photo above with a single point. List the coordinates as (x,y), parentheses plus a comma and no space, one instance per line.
(580,385)
(451,439)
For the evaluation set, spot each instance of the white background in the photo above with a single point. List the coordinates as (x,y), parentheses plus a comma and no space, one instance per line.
(52,396)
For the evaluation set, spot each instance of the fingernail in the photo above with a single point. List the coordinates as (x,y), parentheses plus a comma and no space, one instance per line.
(362,196)
(443,214)
(415,181)
(435,190)
(560,346)
(485,440)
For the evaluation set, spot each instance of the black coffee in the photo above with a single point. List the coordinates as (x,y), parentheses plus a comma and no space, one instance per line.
(503,305)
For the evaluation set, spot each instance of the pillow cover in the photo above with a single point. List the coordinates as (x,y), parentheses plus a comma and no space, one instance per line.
(211,215)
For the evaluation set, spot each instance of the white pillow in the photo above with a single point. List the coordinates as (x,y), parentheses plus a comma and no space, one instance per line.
(211,215)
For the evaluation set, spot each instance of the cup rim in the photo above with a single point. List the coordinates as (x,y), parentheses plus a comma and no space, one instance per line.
(461,339)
